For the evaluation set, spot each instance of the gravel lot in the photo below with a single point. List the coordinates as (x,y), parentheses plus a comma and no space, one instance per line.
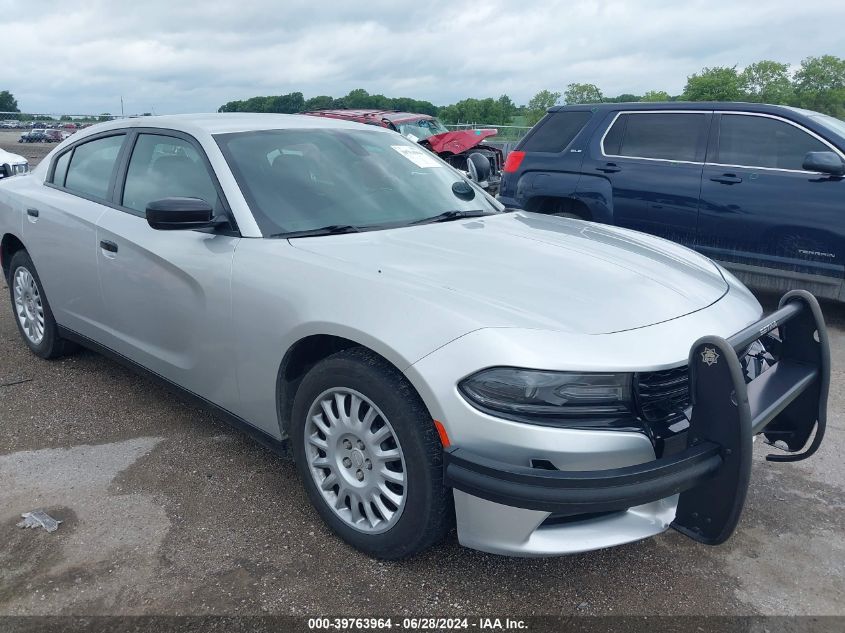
(33,152)
(167,511)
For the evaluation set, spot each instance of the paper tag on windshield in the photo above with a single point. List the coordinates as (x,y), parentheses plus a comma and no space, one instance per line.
(412,138)
(417,155)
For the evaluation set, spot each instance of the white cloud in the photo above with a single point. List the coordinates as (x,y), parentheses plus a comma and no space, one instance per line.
(196,55)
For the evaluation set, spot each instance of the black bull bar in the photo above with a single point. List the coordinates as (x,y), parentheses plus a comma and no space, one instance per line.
(785,403)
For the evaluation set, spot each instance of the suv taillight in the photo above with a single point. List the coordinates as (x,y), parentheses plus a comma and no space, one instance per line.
(513,162)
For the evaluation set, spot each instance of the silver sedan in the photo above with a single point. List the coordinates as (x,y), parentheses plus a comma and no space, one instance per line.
(429,357)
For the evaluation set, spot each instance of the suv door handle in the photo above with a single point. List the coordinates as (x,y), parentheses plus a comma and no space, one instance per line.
(106,245)
(727,179)
(610,168)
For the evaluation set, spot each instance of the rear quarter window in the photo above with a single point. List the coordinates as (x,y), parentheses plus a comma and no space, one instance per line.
(556,131)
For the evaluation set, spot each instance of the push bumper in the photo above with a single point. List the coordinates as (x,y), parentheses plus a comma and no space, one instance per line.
(786,403)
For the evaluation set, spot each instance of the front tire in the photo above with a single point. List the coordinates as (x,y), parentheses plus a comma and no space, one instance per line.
(32,312)
(369,456)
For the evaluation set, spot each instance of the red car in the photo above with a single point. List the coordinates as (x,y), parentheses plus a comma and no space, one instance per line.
(455,147)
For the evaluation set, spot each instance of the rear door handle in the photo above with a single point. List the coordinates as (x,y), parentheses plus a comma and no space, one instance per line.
(108,246)
(610,168)
(727,179)
(33,213)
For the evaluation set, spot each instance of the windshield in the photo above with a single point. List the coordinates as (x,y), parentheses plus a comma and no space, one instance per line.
(837,126)
(421,128)
(301,180)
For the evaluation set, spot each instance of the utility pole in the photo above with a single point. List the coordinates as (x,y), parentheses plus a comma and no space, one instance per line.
(121,106)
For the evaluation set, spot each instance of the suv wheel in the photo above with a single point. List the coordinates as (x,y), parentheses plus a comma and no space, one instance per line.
(32,311)
(369,455)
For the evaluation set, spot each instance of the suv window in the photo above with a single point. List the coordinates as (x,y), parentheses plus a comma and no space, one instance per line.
(91,166)
(556,132)
(661,135)
(757,141)
(166,167)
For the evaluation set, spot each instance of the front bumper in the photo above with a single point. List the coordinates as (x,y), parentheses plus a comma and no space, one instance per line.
(699,491)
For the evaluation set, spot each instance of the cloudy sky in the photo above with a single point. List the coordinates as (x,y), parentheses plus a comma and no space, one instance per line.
(172,56)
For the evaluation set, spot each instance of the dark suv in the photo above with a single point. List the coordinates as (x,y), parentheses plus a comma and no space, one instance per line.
(757,187)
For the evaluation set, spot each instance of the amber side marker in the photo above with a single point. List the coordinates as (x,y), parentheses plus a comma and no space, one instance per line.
(441,431)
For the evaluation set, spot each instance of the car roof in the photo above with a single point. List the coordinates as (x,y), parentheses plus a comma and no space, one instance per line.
(223,123)
(369,113)
(685,105)
(9,157)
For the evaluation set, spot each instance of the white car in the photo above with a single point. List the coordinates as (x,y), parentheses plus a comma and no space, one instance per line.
(12,164)
(428,356)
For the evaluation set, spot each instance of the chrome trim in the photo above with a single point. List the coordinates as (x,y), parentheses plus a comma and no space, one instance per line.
(735,112)
(780,273)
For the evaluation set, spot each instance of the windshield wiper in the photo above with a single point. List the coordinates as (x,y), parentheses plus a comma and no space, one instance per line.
(448,216)
(331,229)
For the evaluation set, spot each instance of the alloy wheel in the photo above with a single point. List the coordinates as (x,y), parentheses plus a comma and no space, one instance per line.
(355,459)
(28,305)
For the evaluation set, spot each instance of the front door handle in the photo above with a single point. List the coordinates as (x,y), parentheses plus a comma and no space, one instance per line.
(727,179)
(610,168)
(108,246)
(33,213)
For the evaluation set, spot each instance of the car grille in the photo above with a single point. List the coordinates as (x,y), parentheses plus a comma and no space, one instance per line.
(662,395)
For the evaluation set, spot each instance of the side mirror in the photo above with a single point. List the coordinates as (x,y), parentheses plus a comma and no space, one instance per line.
(825,162)
(478,167)
(180,214)
(6,170)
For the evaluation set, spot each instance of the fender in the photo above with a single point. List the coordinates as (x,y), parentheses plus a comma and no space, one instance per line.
(597,193)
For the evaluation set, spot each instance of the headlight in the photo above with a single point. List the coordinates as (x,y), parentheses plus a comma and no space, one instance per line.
(528,393)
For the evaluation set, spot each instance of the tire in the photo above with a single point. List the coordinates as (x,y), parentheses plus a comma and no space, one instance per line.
(426,511)
(25,284)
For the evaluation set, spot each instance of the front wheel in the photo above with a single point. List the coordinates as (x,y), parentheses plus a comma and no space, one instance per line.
(369,455)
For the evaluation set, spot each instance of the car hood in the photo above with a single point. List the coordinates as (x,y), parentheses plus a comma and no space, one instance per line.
(12,159)
(528,270)
(458,141)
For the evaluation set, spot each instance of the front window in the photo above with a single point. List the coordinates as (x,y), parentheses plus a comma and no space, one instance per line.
(420,129)
(301,180)
(757,141)
(166,167)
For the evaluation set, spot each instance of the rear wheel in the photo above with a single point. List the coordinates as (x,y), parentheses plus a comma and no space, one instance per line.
(33,315)
(369,456)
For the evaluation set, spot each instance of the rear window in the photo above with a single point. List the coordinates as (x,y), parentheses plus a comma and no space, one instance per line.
(92,165)
(556,131)
(658,135)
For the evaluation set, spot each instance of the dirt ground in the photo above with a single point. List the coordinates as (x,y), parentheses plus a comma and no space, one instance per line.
(166,510)
(33,152)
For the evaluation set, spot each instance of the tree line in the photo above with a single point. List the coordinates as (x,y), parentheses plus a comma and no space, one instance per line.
(818,83)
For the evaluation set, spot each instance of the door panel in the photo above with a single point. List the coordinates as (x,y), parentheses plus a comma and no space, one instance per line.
(653,161)
(168,298)
(62,243)
(60,231)
(168,293)
(771,218)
